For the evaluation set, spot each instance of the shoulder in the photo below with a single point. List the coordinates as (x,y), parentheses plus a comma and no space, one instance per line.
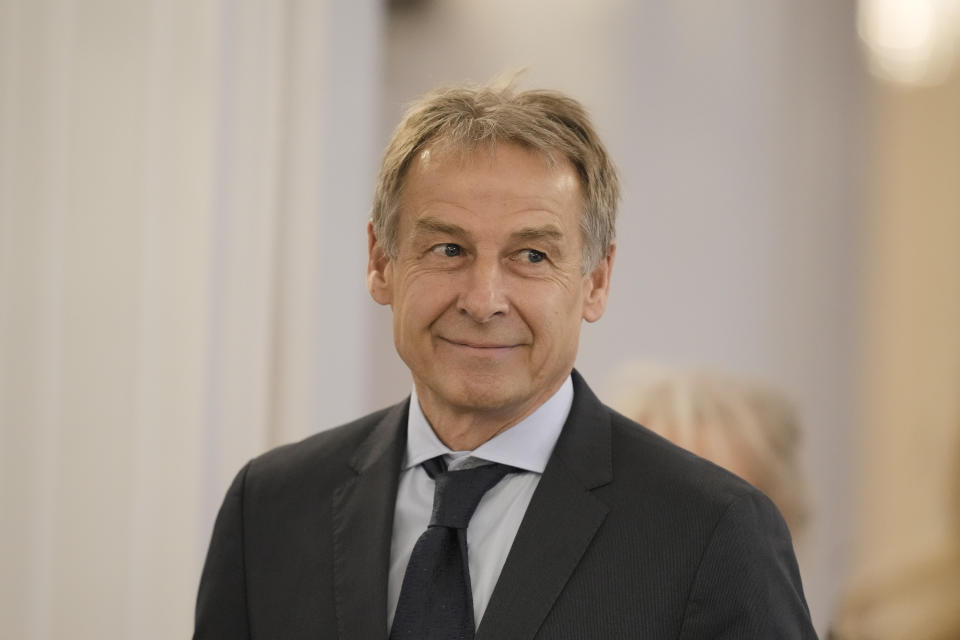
(645,469)
(653,475)
(645,456)
(325,456)
(730,527)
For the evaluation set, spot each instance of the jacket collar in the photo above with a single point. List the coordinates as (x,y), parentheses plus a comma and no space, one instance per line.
(560,522)
(363,508)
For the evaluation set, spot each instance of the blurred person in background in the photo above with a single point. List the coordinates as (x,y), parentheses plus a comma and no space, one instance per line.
(743,426)
(921,601)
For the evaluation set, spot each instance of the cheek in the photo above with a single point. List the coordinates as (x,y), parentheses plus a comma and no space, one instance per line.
(567,303)
(555,316)
(421,302)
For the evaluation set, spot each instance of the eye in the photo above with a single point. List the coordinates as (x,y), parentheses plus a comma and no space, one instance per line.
(534,256)
(448,249)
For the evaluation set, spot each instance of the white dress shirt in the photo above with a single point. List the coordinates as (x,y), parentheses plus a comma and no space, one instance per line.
(526,445)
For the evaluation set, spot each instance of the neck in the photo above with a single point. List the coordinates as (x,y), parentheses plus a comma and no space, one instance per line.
(466,428)
(465,432)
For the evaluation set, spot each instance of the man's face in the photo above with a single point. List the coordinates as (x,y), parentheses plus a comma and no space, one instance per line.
(487,288)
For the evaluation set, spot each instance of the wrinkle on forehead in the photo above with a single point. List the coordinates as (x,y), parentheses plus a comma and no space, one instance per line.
(433,158)
(429,224)
(449,151)
(440,177)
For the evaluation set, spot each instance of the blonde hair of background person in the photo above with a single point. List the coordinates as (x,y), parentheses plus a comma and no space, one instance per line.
(744,427)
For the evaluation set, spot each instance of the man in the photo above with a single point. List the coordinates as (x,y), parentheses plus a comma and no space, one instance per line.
(492,239)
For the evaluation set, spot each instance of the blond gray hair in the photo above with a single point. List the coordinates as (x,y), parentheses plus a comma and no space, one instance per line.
(469,117)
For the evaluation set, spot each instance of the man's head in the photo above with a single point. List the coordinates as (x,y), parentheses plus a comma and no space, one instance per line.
(479,245)
(468,118)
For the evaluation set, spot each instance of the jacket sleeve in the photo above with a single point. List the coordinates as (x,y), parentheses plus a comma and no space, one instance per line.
(222,597)
(748,585)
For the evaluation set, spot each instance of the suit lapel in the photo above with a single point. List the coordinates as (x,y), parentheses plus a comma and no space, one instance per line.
(560,522)
(363,508)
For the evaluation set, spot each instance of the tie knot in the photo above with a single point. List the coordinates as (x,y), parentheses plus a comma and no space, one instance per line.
(457,493)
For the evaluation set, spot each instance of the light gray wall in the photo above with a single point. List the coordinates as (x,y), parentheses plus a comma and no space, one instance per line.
(735,126)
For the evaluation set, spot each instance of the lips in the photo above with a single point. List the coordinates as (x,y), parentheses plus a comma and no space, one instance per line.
(473,345)
(478,344)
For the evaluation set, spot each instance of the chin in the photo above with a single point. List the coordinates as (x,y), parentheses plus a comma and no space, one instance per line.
(484,392)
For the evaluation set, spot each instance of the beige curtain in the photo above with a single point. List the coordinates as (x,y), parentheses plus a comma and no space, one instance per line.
(183,188)
(906,580)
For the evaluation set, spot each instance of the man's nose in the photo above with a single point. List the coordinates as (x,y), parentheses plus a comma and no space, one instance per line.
(484,293)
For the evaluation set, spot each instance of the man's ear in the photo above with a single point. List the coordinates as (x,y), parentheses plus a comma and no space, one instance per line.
(379,269)
(598,287)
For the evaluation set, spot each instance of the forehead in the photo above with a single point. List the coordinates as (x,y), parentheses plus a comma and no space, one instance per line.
(503,178)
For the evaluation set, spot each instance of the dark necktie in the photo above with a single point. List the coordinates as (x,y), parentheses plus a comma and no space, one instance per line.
(436,601)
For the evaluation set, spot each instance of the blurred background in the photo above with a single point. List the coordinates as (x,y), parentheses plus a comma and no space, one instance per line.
(183,192)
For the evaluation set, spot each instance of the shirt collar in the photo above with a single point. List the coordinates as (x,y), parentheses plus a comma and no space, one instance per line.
(526,445)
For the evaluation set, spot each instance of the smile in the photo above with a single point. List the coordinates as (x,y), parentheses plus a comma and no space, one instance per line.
(480,347)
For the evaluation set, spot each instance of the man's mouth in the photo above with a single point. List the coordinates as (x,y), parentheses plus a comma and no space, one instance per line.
(480,344)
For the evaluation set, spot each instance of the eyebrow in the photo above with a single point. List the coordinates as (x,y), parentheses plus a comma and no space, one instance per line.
(433,225)
(539,233)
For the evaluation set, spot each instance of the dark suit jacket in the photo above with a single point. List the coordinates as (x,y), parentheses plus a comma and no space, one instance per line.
(627,536)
